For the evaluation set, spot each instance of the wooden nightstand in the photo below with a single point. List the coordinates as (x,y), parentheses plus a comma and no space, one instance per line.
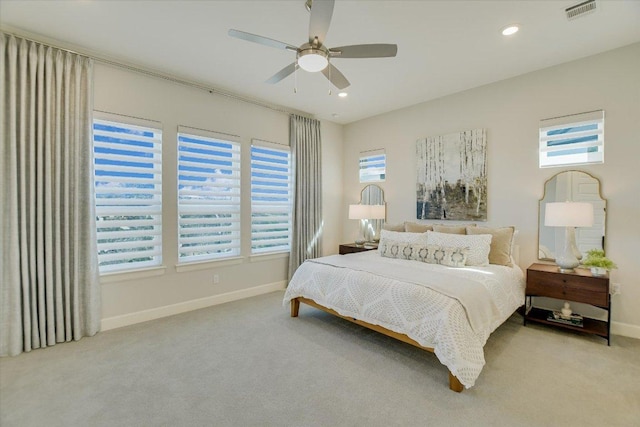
(545,280)
(349,248)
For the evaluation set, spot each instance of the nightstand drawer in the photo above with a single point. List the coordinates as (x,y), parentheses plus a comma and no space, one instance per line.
(565,286)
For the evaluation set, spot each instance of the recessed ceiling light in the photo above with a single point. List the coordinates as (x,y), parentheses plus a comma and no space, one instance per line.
(343,94)
(510,29)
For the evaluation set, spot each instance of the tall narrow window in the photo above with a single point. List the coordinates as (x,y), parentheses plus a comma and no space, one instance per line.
(572,140)
(128,191)
(271,197)
(373,166)
(208,195)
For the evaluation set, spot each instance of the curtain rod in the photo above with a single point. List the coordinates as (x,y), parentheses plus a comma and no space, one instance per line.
(570,115)
(159,75)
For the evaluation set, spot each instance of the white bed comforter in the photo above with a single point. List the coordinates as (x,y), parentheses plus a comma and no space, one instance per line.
(452,310)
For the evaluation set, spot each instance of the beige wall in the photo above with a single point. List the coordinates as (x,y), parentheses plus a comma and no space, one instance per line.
(130,93)
(510,111)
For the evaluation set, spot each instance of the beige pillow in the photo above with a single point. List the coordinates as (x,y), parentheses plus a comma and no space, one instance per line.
(413,227)
(452,229)
(501,243)
(393,227)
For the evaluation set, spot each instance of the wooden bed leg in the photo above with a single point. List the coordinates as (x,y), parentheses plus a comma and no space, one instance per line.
(454,383)
(295,306)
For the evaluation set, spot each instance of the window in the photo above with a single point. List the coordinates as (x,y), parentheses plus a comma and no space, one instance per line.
(128,194)
(271,197)
(572,140)
(373,166)
(208,195)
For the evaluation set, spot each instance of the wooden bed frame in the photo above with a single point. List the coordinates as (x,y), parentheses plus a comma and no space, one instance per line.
(454,383)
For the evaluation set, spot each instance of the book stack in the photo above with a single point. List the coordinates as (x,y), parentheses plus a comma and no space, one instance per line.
(574,319)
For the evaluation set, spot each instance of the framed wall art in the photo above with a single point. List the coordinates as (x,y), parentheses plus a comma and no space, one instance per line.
(452,176)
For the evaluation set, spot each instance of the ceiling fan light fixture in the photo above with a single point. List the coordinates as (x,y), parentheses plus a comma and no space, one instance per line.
(312,60)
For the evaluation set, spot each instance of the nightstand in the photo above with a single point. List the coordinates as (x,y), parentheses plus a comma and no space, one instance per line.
(545,280)
(349,248)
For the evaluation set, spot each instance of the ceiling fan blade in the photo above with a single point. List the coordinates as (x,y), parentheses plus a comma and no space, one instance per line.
(261,40)
(321,12)
(364,51)
(283,73)
(336,77)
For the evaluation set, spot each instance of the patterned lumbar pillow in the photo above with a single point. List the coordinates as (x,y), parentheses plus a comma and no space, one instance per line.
(443,255)
(395,249)
(478,245)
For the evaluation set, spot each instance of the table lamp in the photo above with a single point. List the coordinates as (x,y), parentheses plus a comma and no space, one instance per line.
(568,215)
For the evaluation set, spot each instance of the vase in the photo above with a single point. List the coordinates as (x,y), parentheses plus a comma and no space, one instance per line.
(598,271)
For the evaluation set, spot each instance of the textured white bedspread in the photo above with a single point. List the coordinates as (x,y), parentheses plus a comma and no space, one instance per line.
(452,310)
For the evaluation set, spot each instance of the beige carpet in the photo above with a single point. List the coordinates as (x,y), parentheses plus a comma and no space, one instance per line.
(247,363)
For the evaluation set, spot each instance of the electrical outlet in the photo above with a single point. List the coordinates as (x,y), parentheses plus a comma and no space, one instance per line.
(216,279)
(615,289)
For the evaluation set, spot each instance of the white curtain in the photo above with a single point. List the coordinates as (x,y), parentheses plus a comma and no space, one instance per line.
(306,240)
(49,283)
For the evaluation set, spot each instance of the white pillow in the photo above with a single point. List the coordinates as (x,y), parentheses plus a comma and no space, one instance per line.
(403,237)
(479,245)
(393,243)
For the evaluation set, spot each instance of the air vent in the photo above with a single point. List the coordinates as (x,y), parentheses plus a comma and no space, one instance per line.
(580,9)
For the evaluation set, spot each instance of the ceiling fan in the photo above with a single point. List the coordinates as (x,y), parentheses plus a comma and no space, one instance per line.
(314,56)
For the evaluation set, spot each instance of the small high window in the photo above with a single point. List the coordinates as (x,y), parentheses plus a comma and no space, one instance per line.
(576,139)
(373,166)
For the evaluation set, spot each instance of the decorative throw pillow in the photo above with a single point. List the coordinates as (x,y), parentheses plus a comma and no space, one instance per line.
(391,242)
(414,227)
(452,229)
(478,245)
(394,249)
(501,243)
(393,227)
(433,254)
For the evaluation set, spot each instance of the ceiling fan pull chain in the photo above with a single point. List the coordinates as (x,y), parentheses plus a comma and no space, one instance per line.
(295,79)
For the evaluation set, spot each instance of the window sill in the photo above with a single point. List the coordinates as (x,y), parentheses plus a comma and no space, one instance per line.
(210,263)
(121,276)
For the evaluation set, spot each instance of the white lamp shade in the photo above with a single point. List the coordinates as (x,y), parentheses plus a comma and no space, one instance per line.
(359,211)
(377,212)
(568,214)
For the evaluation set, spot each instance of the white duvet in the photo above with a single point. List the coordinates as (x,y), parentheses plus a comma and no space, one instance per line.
(452,310)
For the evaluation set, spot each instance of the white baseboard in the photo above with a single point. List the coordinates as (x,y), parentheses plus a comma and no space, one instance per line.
(182,307)
(625,329)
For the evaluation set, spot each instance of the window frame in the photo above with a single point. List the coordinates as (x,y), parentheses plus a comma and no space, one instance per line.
(230,202)
(575,139)
(283,208)
(104,155)
(368,162)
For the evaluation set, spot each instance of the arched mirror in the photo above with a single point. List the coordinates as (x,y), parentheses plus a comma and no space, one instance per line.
(373,214)
(573,186)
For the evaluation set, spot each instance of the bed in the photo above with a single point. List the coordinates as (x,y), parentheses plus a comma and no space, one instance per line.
(449,310)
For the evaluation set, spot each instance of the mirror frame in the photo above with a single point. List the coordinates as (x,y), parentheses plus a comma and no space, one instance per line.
(544,195)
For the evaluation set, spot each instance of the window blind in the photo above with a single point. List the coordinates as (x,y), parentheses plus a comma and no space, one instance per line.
(271,197)
(373,166)
(128,195)
(572,140)
(208,195)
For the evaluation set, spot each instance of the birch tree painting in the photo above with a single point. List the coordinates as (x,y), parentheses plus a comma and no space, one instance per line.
(452,176)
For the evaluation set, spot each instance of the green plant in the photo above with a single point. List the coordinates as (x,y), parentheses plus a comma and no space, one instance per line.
(596,258)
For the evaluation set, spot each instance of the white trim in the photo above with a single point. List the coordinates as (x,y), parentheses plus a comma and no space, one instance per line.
(209,263)
(625,330)
(182,307)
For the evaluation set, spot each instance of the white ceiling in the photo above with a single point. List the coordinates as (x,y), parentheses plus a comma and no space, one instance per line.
(443,46)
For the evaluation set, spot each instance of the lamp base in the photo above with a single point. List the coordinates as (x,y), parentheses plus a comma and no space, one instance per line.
(566,270)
